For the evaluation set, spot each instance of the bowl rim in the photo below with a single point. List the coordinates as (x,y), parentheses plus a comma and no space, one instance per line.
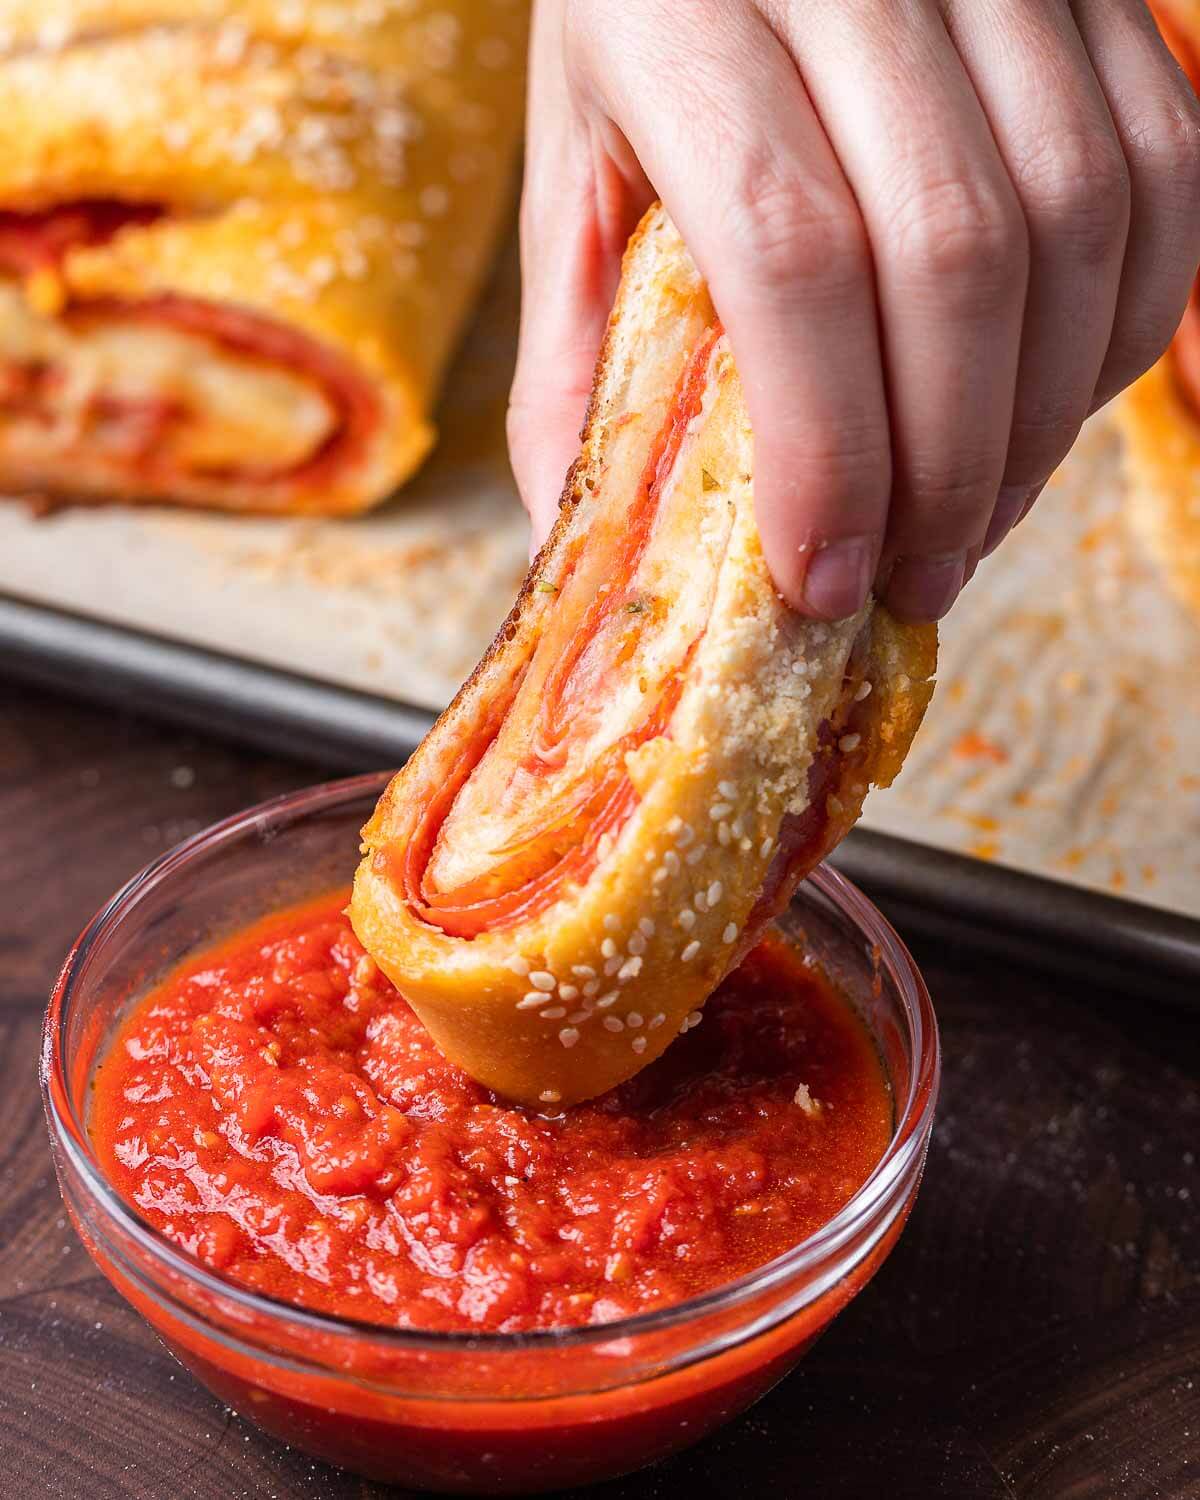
(913,1115)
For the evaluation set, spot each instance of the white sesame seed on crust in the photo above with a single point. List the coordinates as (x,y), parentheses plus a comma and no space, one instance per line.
(583,971)
(636,943)
(611,965)
(730,933)
(542,979)
(630,969)
(608,948)
(694,1019)
(554,1013)
(611,923)
(591,987)
(700,901)
(646,926)
(849,742)
(613,1023)
(568,991)
(696,855)
(532,1000)
(519,964)
(685,836)
(723,835)
(727,789)
(715,891)
(606,1000)
(862,691)
(674,824)
(634,1020)
(719,810)
(659,875)
(577,1016)
(765,847)
(657,1020)
(638,1044)
(686,919)
(568,1036)
(690,951)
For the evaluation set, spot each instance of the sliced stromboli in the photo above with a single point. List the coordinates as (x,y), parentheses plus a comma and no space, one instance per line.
(653,752)
(1159,416)
(238,241)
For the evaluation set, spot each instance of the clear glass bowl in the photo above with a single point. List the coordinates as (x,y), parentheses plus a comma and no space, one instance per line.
(464,1413)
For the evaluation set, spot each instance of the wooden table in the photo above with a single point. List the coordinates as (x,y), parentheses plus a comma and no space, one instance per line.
(1036,1333)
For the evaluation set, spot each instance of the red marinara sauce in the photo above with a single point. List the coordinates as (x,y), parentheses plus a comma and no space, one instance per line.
(276,1108)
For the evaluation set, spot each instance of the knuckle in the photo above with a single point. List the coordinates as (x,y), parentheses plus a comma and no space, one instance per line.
(793,235)
(1040,440)
(952,504)
(1077,184)
(1140,341)
(1163,138)
(965,232)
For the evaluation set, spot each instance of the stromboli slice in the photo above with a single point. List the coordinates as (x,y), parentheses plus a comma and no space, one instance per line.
(1159,416)
(653,752)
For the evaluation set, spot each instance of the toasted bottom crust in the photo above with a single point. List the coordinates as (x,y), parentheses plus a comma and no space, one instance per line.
(1162,466)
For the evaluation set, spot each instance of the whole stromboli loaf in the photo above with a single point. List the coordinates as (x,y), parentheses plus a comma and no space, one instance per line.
(239,239)
(655,749)
(1159,416)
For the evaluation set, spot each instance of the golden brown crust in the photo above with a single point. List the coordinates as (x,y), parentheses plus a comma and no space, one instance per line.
(780,726)
(346,181)
(1162,466)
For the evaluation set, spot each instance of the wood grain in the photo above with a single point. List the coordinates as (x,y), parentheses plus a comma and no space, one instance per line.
(1035,1335)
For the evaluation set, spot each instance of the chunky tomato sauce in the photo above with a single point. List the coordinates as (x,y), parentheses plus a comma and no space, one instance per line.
(278,1110)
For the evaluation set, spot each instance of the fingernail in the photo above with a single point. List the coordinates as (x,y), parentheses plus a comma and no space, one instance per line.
(838,577)
(1009,507)
(924,588)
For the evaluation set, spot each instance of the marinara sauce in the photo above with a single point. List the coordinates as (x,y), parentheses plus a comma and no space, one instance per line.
(275,1108)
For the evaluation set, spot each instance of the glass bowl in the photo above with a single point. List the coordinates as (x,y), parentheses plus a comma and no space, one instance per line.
(460,1412)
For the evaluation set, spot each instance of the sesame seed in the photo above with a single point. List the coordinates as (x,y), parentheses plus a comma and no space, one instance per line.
(554,1013)
(608,948)
(518,964)
(548,1096)
(674,824)
(611,923)
(730,933)
(671,861)
(736,828)
(719,810)
(726,789)
(583,971)
(606,1000)
(723,835)
(613,1023)
(568,1036)
(568,991)
(638,1044)
(633,1020)
(637,943)
(690,951)
(695,856)
(715,892)
(656,1021)
(850,742)
(542,979)
(686,834)
(646,926)
(863,691)
(576,1016)
(591,987)
(694,1019)
(686,919)
(630,969)
(700,901)
(766,846)
(659,875)
(532,1000)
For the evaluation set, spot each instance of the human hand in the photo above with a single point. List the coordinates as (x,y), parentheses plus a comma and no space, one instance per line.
(938,235)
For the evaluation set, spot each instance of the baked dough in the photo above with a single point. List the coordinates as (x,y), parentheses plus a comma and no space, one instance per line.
(1159,416)
(239,239)
(652,753)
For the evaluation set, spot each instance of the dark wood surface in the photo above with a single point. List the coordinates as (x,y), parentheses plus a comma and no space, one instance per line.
(1035,1335)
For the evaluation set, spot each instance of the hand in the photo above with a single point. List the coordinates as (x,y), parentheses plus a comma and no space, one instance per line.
(937,234)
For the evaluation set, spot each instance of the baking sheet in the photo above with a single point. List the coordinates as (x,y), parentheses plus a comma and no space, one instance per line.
(1063,740)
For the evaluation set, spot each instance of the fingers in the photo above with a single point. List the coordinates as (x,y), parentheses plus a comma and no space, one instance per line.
(1053,130)
(578,209)
(1157,121)
(951,258)
(729,139)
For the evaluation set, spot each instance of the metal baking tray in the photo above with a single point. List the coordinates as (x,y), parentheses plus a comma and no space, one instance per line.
(927,891)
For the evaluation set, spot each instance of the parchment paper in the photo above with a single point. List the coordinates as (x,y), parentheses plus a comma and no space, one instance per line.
(1064,736)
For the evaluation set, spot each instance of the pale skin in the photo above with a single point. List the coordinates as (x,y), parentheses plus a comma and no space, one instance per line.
(938,235)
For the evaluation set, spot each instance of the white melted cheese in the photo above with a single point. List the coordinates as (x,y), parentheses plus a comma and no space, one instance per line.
(240,413)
